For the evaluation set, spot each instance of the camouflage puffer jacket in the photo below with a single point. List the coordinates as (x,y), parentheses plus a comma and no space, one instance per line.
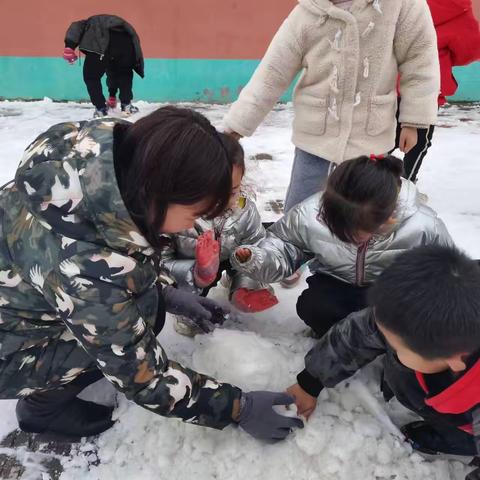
(75,273)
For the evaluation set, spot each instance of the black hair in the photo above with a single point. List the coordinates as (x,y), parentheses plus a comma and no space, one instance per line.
(173,155)
(234,151)
(430,297)
(361,194)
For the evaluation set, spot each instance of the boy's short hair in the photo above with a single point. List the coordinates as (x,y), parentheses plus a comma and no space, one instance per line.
(430,298)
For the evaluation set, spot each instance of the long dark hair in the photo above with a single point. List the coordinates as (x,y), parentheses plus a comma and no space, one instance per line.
(361,194)
(234,150)
(173,155)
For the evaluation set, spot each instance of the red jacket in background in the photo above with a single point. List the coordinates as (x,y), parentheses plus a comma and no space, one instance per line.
(458,35)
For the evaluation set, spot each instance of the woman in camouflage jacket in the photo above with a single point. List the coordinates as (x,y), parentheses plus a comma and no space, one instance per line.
(80,295)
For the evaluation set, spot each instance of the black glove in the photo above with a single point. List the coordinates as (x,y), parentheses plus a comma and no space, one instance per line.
(204,312)
(258,418)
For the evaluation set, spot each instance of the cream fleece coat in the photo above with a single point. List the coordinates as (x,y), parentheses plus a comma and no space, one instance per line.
(345,100)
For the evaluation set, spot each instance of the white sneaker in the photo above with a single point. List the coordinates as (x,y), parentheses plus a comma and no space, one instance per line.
(129,109)
(102,112)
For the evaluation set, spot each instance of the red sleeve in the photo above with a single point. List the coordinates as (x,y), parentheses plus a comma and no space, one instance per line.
(464,40)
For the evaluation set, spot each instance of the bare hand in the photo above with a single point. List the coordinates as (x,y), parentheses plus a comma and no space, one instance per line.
(233,134)
(305,403)
(408,139)
(243,254)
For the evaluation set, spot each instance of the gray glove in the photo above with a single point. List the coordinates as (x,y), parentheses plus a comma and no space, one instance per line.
(259,420)
(204,312)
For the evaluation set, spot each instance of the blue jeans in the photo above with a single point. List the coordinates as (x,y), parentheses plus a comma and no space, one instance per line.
(309,175)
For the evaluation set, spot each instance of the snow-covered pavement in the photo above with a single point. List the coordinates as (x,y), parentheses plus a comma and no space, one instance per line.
(350,436)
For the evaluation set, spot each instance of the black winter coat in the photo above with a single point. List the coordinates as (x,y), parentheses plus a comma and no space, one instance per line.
(93,35)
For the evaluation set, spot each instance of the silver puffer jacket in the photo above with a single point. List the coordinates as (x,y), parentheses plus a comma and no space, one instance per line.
(236,227)
(301,235)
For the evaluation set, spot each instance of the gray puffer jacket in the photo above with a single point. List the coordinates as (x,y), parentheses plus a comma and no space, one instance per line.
(301,235)
(236,227)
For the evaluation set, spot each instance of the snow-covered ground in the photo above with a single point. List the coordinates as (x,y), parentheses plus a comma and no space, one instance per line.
(350,436)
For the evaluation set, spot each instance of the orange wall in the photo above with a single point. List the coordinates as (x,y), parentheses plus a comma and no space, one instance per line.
(230,29)
(210,29)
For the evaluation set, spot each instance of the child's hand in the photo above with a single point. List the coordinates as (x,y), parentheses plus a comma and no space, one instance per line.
(207,256)
(233,134)
(408,139)
(252,301)
(243,254)
(306,404)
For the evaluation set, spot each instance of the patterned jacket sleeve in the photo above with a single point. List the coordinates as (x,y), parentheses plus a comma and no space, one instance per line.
(346,348)
(97,297)
(280,253)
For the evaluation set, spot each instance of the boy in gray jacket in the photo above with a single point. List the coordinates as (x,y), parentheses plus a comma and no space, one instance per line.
(198,257)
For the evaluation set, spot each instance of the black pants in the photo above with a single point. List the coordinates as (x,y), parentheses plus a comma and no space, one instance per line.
(460,442)
(117,63)
(327,300)
(119,77)
(412,161)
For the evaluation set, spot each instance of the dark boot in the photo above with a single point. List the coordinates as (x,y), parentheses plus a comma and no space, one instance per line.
(73,420)
(439,440)
(60,413)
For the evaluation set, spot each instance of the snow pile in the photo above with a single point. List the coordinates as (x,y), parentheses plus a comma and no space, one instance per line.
(349,436)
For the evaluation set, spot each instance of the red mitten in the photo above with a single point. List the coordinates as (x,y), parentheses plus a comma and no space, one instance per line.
(252,301)
(207,256)
(69,55)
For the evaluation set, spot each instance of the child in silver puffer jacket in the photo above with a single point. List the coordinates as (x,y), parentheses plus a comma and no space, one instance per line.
(197,258)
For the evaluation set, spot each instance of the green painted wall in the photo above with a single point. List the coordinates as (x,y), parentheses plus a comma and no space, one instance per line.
(468,79)
(166,80)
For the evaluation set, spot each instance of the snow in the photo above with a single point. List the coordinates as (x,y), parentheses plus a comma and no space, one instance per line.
(353,434)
